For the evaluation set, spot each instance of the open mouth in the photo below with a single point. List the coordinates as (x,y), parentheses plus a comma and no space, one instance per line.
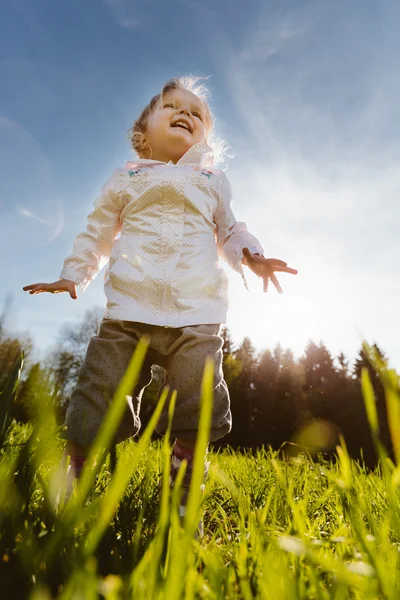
(183,124)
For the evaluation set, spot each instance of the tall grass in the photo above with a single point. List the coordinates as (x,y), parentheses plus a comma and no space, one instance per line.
(274,528)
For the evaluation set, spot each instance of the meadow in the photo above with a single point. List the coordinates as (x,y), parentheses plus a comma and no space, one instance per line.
(275,527)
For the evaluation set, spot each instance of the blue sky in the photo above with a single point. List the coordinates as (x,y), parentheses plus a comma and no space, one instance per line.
(305,92)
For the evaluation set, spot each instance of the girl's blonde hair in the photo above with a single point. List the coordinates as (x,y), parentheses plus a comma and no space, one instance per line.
(196,86)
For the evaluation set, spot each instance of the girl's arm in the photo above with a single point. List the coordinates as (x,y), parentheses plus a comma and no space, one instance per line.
(239,247)
(232,236)
(92,247)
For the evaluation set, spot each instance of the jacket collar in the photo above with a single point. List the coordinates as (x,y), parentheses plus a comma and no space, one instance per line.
(199,155)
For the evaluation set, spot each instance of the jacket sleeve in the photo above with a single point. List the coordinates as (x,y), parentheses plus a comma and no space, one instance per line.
(232,236)
(92,248)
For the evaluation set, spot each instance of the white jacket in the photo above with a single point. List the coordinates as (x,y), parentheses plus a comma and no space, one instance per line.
(162,226)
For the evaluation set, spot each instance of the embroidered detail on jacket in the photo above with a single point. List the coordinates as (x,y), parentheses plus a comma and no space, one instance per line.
(135,172)
(204,172)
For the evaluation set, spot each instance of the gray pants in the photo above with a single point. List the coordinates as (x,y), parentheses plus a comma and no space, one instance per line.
(182,352)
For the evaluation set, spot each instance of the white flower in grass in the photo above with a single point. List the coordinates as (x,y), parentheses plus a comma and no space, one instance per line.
(361,568)
(292,545)
(317,542)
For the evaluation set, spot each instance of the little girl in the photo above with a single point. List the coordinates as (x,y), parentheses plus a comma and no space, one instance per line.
(162,222)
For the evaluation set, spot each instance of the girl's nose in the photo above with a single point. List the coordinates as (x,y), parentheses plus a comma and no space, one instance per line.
(185,111)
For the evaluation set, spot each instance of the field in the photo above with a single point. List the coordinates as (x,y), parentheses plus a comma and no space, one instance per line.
(274,527)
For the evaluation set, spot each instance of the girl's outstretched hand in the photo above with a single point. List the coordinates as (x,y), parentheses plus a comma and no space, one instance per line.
(62,285)
(266,267)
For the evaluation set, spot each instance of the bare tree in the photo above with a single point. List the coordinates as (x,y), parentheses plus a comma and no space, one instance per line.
(72,342)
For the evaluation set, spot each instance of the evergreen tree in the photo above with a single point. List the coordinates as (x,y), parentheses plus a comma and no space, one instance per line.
(228,346)
(343,370)
(362,362)
(288,399)
(33,393)
(232,367)
(264,403)
(320,378)
(278,392)
(242,393)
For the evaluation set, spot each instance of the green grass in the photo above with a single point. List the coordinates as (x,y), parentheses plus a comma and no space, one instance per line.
(274,528)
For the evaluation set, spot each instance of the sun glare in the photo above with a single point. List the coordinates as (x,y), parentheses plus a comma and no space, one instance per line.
(315,305)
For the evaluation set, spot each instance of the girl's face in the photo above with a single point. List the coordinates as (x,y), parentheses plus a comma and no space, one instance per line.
(177,123)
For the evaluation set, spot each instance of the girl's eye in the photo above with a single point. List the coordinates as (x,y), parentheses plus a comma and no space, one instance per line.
(198,115)
(169,105)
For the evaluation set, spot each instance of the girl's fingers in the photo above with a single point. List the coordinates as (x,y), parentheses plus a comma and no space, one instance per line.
(284,270)
(54,288)
(276,284)
(31,286)
(266,281)
(36,288)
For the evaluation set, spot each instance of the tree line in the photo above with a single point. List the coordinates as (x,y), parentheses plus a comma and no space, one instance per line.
(297,405)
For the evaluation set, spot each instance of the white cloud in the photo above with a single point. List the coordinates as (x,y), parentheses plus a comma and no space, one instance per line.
(25,167)
(26,190)
(52,225)
(316,176)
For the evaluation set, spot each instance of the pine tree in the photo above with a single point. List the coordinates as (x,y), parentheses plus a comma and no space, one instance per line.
(242,393)
(232,367)
(266,379)
(29,398)
(320,378)
(343,370)
(362,362)
(277,397)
